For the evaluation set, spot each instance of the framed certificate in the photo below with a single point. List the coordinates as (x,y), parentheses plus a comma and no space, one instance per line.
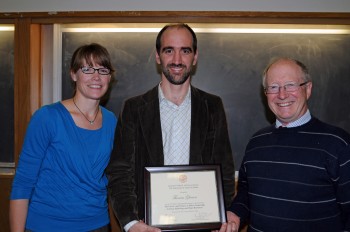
(184,197)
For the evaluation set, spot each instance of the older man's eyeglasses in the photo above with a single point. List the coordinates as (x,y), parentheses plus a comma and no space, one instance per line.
(91,70)
(291,87)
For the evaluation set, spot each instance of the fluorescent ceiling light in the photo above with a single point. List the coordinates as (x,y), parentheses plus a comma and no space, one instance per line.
(111,29)
(7,28)
(221,30)
(274,30)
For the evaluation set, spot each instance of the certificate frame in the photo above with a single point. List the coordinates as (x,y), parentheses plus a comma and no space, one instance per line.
(197,214)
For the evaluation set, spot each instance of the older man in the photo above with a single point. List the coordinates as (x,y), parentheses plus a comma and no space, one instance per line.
(295,175)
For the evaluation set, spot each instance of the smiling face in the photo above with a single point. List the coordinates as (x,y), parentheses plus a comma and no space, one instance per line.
(176,55)
(287,106)
(92,86)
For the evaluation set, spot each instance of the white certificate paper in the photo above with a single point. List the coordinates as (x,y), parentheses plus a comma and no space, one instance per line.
(184,197)
(180,197)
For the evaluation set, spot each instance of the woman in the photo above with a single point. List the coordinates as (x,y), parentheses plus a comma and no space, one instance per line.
(60,183)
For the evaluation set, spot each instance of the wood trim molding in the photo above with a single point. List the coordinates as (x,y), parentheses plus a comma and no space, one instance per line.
(22,81)
(35,67)
(27,78)
(182,16)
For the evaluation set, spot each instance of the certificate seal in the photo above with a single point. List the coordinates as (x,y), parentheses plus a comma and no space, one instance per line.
(183,178)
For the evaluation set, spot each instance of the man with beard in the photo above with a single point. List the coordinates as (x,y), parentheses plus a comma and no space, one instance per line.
(172,124)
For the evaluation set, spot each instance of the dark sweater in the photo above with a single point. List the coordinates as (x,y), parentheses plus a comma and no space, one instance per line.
(296,179)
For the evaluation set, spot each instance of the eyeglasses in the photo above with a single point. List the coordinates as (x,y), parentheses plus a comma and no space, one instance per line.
(291,87)
(91,70)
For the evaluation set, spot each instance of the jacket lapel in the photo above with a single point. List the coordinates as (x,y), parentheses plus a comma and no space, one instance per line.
(199,126)
(149,116)
(151,128)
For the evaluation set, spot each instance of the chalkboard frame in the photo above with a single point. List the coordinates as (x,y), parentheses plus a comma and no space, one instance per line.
(7,158)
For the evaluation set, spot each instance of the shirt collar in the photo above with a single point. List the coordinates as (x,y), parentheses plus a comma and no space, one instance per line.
(162,97)
(300,121)
(160,93)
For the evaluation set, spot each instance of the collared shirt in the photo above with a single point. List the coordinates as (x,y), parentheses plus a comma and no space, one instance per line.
(300,121)
(176,129)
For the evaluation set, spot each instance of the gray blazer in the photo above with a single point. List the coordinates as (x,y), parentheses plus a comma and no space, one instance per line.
(138,144)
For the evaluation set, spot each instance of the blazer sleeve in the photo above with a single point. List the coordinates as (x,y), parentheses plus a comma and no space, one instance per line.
(121,169)
(223,153)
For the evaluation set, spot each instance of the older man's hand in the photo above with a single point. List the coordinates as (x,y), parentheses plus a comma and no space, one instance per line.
(232,224)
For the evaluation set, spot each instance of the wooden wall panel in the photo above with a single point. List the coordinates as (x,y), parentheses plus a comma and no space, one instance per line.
(5,188)
(22,81)
(35,67)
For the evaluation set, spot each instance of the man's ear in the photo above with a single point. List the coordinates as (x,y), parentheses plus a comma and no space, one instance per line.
(308,90)
(157,58)
(195,58)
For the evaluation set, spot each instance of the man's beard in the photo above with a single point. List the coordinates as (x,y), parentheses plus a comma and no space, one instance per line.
(171,78)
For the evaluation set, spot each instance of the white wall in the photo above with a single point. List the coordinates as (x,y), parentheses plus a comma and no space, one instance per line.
(175,5)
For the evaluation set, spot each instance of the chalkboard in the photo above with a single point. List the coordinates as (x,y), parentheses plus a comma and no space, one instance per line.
(230,65)
(7,97)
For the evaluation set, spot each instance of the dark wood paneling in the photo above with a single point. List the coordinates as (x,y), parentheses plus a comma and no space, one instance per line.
(5,189)
(22,81)
(182,16)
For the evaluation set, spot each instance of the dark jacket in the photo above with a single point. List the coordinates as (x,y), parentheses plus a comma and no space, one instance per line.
(138,144)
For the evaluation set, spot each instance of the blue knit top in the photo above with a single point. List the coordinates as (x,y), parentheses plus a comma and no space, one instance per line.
(61,171)
(296,179)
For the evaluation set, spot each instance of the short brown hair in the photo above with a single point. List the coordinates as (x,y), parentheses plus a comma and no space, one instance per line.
(91,53)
